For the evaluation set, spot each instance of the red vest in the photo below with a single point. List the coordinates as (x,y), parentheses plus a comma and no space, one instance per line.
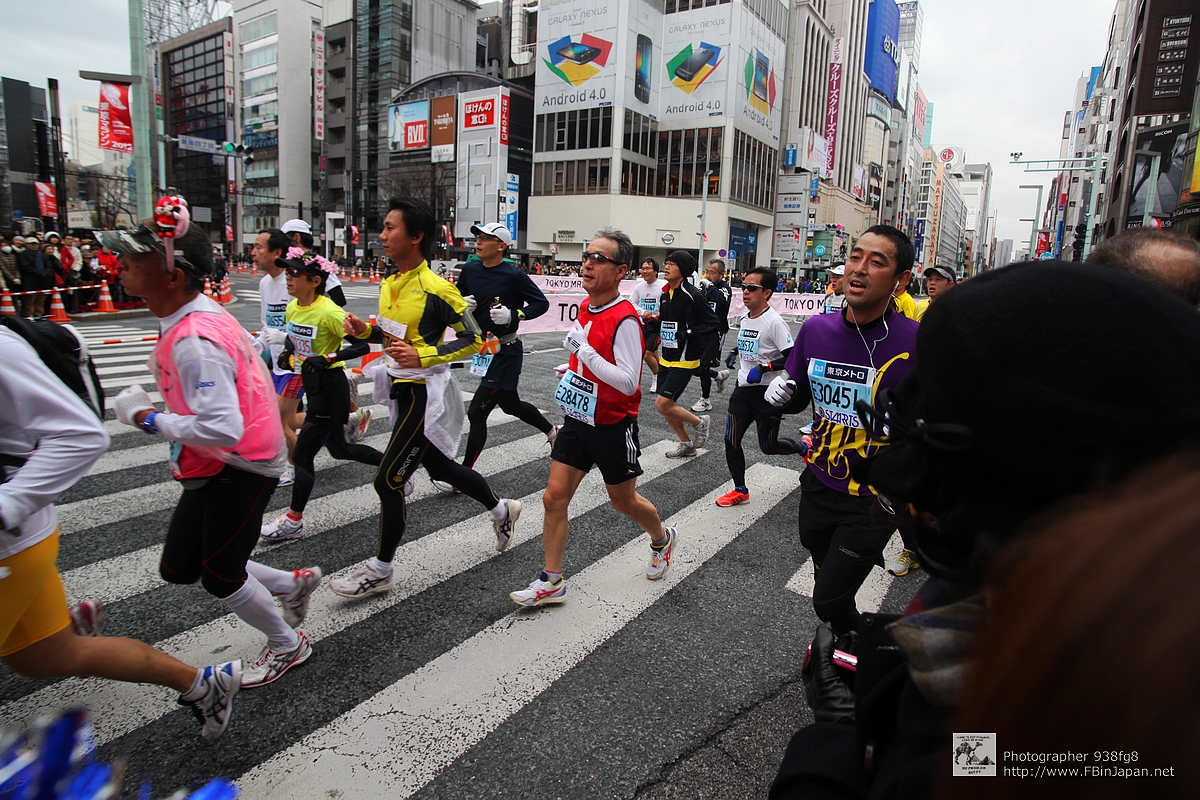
(612,406)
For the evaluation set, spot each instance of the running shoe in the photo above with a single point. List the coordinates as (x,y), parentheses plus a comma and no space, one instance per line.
(700,432)
(703,404)
(295,602)
(683,450)
(272,663)
(211,697)
(660,557)
(734,498)
(904,561)
(552,435)
(719,380)
(87,618)
(356,426)
(806,430)
(541,593)
(289,476)
(362,582)
(444,488)
(282,529)
(654,384)
(504,528)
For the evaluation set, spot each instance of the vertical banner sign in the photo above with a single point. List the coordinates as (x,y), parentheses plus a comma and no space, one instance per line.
(47,201)
(319,86)
(833,103)
(512,200)
(504,98)
(116,123)
(442,135)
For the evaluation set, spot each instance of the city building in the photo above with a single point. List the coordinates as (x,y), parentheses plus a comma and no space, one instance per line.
(24,153)
(1004,253)
(975,183)
(906,149)
(941,216)
(334,193)
(882,59)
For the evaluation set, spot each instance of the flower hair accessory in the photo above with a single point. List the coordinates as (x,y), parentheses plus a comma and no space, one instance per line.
(323,264)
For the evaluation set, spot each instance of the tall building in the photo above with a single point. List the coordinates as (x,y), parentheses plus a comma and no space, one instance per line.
(1004,253)
(907,145)
(940,219)
(24,150)
(334,188)
(975,183)
(843,199)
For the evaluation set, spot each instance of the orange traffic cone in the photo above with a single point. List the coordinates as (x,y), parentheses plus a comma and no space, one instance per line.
(226,293)
(6,304)
(208,288)
(105,303)
(57,312)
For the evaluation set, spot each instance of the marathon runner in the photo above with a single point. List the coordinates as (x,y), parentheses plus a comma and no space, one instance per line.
(499,295)
(763,345)
(227,449)
(645,297)
(719,294)
(687,324)
(49,440)
(315,353)
(415,309)
(837,360)
(599,392)
(835,300)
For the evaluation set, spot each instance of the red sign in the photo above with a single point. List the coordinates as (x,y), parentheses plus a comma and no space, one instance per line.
(47,202)
(232,188)
(229,233)
(416,134)
(353,234)
(116,121)
(503,119)
(947,155)
(479,113)
(1043,243)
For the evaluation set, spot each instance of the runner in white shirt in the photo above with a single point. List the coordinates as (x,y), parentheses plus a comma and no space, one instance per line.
(645,298)
(763,343)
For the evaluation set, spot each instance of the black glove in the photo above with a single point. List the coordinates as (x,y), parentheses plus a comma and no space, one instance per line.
(830,698)
(285,360)
(313,363)
(731,359)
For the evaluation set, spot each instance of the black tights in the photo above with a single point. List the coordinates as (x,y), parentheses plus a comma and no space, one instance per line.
(316,432)
(481,407)
(407,450)
(769,441)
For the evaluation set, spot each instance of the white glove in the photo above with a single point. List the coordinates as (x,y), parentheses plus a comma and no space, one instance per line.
(704,284)
(561,370)
(272,337)
(501,315)
(576,338)
(470,298)
(779,392)
(130,402)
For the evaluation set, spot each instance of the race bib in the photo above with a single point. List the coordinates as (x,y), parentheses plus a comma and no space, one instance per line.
(174,452)
(576,395)
(391,330)
(668,334)
(837,387)
(747,344)
(276,315)
(650,305)
(480,364)
(302,337)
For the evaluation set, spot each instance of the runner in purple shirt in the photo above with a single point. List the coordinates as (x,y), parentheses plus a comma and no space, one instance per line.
(839,359)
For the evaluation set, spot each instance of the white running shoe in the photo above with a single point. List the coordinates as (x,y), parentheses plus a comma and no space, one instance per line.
(807,430)
(682,450)
(87,618)
(362,582)
(504,528)
(654,384)
(660,559)
(289,476)
(357,424)
(700,432)
(552,435)
(703,404)
(719,380)
(295,602)
(211,697)
(272,663)
(282,529)
(541,593)
(444,488)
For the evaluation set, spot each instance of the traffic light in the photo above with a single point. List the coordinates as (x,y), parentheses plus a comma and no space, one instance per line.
(1077,244)
(245,151)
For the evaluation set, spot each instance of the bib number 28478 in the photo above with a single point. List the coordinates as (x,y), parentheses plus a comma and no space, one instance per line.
(576,395)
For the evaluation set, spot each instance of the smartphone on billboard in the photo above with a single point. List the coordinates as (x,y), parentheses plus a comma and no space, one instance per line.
(641,75)
(762,67)
(688,69)
(579,53)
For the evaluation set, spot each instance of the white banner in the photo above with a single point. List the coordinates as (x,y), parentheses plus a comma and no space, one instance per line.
(564,309)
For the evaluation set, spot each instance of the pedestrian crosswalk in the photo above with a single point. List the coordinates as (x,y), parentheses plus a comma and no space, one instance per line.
(408,692)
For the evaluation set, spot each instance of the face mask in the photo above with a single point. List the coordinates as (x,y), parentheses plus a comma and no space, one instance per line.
(5,249)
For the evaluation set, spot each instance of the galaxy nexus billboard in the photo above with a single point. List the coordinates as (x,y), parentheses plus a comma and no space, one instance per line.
(576,65)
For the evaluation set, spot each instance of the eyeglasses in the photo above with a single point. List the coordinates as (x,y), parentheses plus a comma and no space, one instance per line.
(598,258)
(293,272)
(752,287)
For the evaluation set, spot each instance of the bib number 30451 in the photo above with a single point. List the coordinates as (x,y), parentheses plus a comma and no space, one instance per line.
(576,395)
(836,388)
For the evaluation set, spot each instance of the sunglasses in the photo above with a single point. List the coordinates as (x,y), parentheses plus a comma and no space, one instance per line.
(752,287)
(292,272)
(598,258)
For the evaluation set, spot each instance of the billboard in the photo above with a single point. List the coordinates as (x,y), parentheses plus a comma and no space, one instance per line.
(696,64)
(882,54)
(408,126)
(441,135)
(1167,76)
(1159,188)
(642,55)
(920,104)
(116,123)
(481,156)
(833,102)
(760,77)
(576,67)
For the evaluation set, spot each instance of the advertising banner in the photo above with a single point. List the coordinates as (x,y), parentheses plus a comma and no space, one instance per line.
(882,55)
(1161,190)
(482,158)
(564,309)
(920,105)
(47,202)
(642,55)
(116,123)
(441,137)
(695,70)
(408,126)
(833,103)
(319,85)
(859,185)
(576,67)
(512,191)
(760,62)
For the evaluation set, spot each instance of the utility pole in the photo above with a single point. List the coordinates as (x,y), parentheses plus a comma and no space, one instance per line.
(140,112)
(703,219)
(1093,163)
(58,163)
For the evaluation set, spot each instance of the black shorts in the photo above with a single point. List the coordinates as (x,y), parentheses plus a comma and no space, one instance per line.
(612,448)
(505,370)
(750,402)
(672,381)
(650,333)
(328,394)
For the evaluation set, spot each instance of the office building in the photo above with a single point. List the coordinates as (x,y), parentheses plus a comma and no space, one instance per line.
(975,184)
(333,179)
(940,219)
(24,152)
(1004,253)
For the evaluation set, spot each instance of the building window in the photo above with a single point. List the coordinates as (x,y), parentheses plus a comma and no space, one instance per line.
(257,29)
(754,168)
(264,168)
(260,57)
(582,176)
(683,158)
(687,5)
(260,85)
(573,130)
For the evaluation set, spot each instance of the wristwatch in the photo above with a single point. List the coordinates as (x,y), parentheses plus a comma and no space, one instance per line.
(147,423)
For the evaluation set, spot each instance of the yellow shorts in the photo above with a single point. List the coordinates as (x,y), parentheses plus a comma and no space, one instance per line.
(33,605)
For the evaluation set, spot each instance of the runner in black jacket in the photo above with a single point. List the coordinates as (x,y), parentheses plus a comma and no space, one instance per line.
(719,295)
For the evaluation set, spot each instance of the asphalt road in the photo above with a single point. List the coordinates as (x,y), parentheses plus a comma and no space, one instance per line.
(688,687)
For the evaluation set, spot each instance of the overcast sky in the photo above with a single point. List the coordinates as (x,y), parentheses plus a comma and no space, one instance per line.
(999,73)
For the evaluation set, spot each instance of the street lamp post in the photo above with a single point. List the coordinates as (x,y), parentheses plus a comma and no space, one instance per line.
(1093,163)
(1037,212)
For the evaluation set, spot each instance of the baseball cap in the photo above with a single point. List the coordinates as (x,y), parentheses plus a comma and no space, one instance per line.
(945,272)
(196,261)
(840,269)
(501,232)
(296,226)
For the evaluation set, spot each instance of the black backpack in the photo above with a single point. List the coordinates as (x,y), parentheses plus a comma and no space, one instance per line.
(63,350)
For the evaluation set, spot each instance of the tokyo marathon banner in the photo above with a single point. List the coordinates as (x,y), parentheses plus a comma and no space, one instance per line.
(116,121)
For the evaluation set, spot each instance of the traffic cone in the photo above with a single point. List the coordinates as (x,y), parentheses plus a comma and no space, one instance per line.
(105,303)
(226,292)
(57,312)
(6,304)
(207,288)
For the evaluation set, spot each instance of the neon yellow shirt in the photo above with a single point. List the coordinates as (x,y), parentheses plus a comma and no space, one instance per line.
(315,329)
(906,305)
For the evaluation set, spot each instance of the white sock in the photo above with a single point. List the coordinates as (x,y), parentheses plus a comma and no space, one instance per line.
(500,511)
(254,604)
(379,567)
(277,581)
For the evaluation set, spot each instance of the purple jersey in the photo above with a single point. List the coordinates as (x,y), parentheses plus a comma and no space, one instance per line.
(834,362)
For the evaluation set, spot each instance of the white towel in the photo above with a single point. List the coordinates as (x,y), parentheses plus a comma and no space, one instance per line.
(444,411)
